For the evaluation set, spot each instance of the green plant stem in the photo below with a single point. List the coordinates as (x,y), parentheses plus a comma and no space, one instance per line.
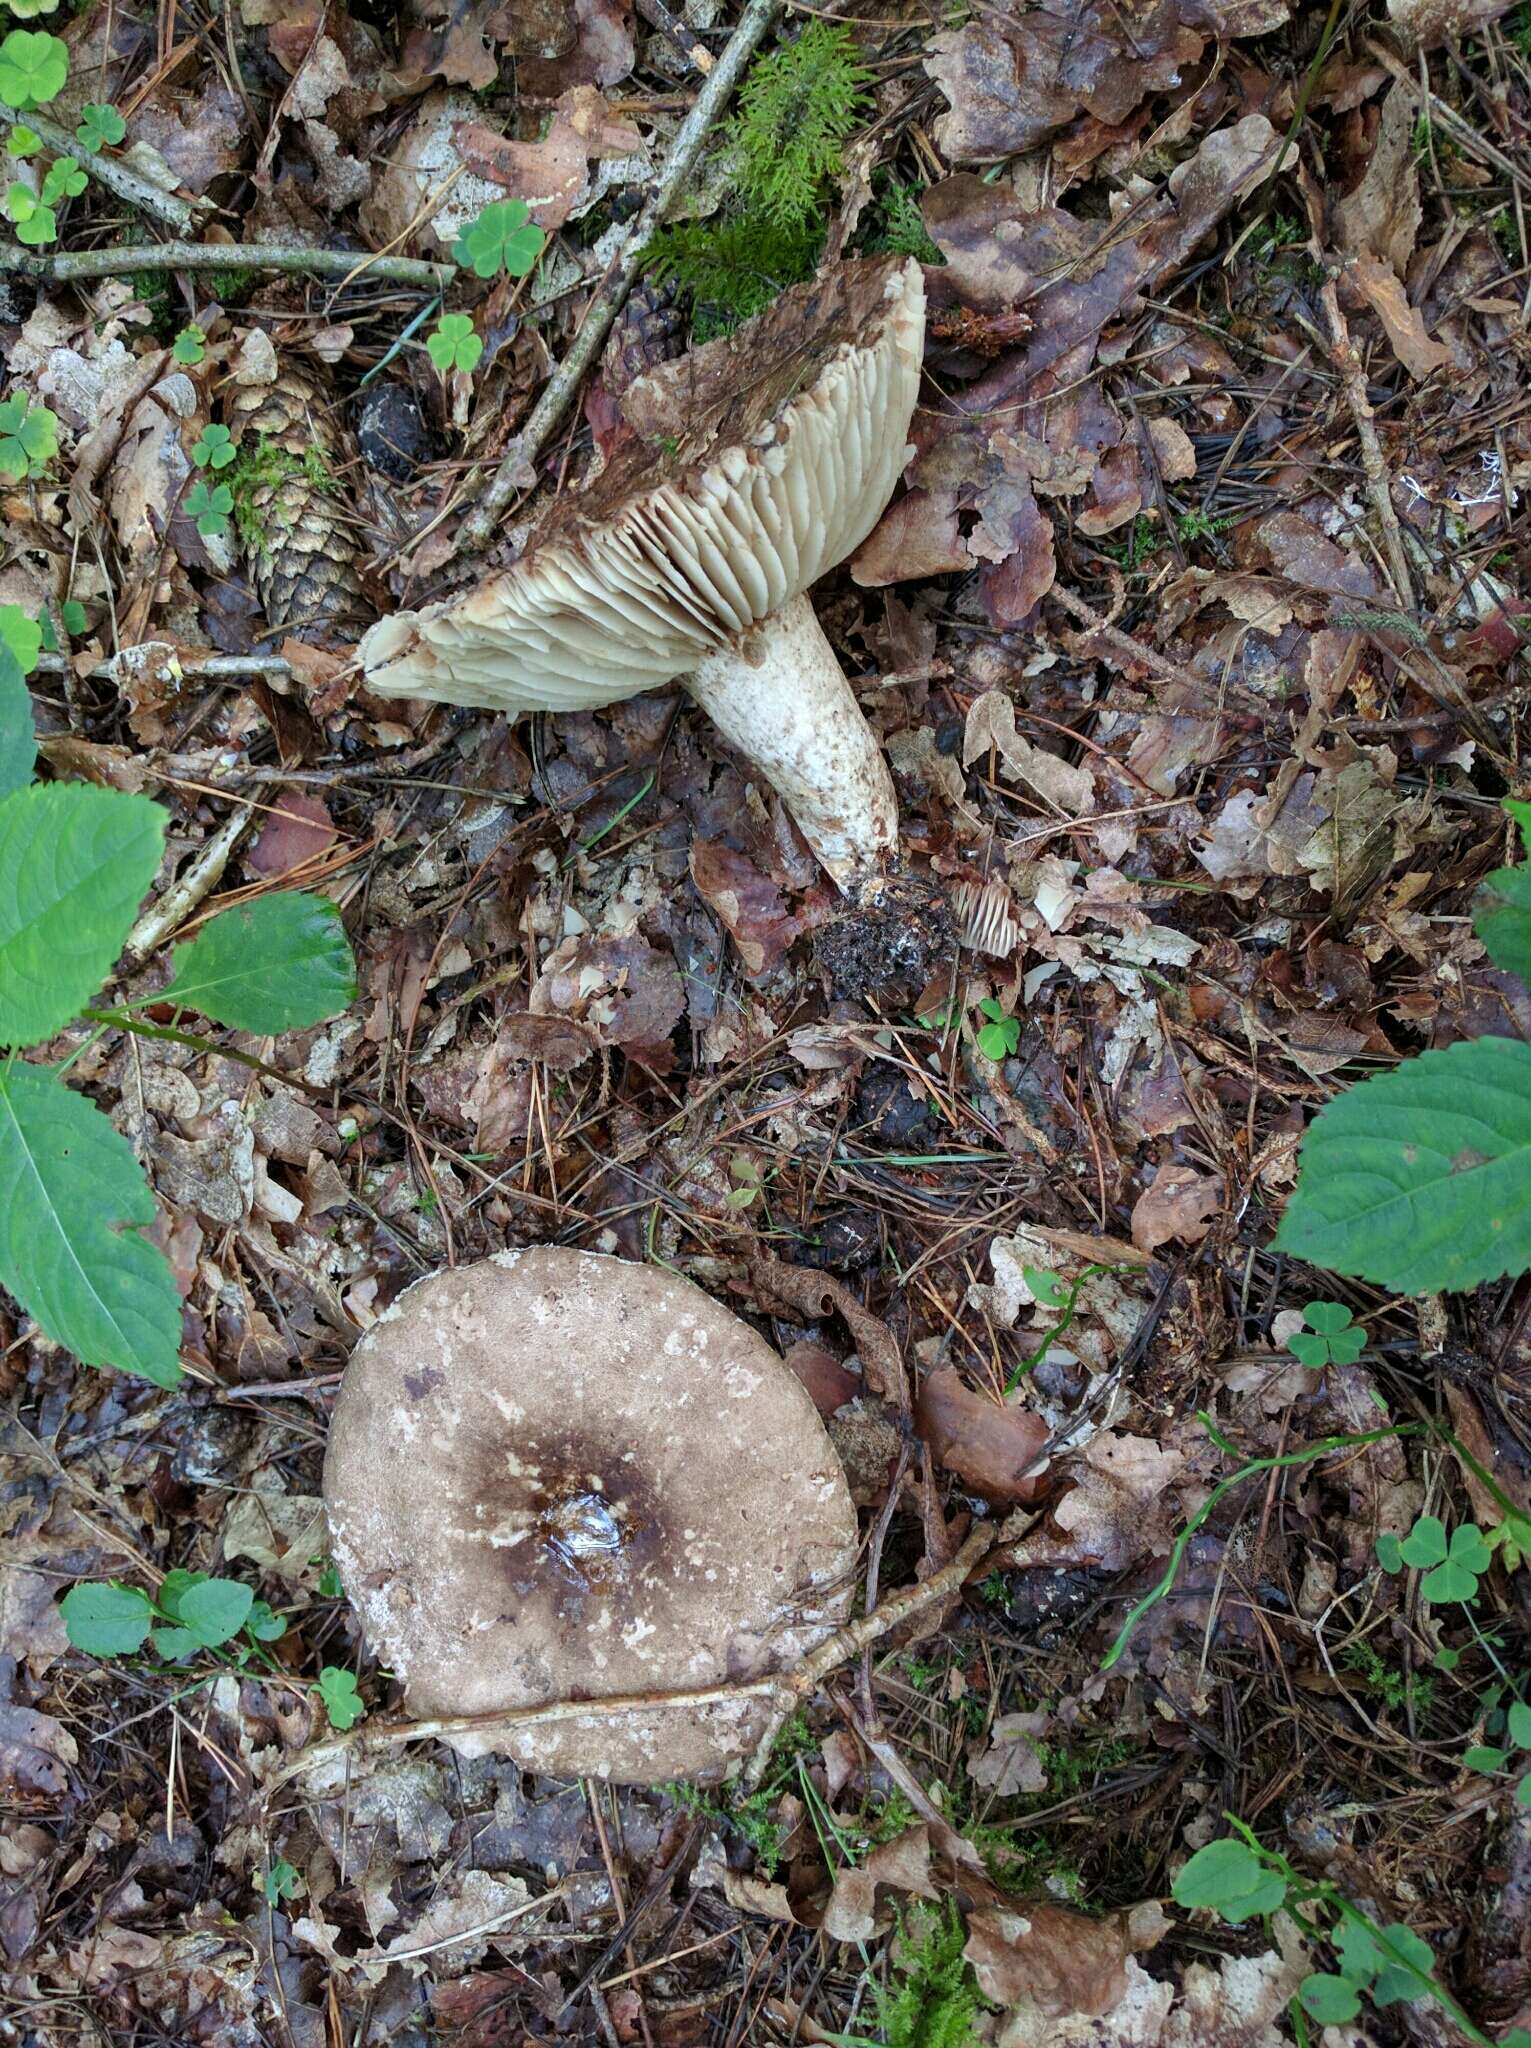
(123,1022)
(1030,1365)
(65,265)
(1321,1449)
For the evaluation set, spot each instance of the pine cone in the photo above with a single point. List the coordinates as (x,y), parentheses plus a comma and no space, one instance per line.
(302,549)
(649,330)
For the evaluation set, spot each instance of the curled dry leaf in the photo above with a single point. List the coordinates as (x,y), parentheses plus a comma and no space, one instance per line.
(1179,1204)
(624,990)
(995,1449)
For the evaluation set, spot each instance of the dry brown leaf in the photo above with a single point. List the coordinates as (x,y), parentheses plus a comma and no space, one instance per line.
(1179,1203)
(1009,1762)
(1120,1508)
(996,1450)
(1381,216)
(1404,324)
(991,723)
(1059,1961)
(298,828)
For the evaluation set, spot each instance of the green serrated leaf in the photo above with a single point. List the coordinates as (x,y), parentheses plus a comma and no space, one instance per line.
(74,865)
(106,1621)
(1420,1179)
(1520,1724)
(280,963)
(70,1188)
(265,1624)
(1360,1957)
(22,634)
(216,1610)
(1502,919)
(18,739)
(175,1643)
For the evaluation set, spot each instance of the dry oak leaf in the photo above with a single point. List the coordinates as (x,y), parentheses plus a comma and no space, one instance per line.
(1057,1960)
(903,1863)
(996,1450)
(1118,1510)
(1404,324)
(1180,1203)
(1010,1761)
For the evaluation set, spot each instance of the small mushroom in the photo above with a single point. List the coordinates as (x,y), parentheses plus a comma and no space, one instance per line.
(757,463)
(559,1476)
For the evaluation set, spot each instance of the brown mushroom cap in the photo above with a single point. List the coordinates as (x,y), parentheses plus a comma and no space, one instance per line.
(555,1475)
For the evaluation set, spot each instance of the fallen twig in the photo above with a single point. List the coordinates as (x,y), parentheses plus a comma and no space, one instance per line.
(124,184)
(203,666)
(168,912)
(63,266)
(1342,352)
(787,1688)
(517,470)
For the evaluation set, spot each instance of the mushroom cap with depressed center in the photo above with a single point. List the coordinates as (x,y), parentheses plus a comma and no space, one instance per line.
(758,463)
(555,1475)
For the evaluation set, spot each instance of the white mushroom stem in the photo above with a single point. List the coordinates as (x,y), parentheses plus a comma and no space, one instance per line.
(780,697)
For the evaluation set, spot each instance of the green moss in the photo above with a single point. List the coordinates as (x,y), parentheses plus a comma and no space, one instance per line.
(262,465)
(750,1817)
(796,108)
(733,267)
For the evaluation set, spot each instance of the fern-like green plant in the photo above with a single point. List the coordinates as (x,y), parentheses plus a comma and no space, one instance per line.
(796,109)
(934,1998)
(901,229)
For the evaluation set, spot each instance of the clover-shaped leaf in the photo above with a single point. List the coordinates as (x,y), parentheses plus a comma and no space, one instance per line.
(33,67)
(1331,1338)
(36,222)
(189,347)
(100,124)
(453,345)
(502,238)
(22,634)
(23,141)
(28,437)
(342,1702)
(1232,1879)
(1452,1568)
(215,450)
(210,509)
(999,1038)
(64,180)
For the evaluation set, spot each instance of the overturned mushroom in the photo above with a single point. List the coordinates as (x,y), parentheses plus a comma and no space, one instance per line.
(758,462)
(558,1476)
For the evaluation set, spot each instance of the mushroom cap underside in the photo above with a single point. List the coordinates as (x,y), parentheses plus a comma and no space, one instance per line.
(757,463)
(560,1476)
